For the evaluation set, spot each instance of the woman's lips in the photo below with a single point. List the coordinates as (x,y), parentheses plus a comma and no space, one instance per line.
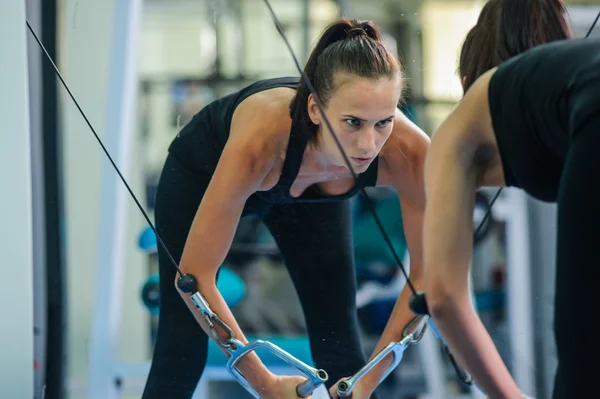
(362,161)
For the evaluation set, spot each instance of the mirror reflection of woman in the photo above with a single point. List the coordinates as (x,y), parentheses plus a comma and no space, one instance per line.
(530,119)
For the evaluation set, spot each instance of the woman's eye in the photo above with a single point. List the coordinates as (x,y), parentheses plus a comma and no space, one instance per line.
(353,122)
(383,123)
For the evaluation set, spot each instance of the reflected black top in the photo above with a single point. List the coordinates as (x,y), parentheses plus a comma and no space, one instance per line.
(538,100)
(200,143)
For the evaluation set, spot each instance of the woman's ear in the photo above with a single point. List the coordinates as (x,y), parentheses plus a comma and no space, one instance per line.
(313,110)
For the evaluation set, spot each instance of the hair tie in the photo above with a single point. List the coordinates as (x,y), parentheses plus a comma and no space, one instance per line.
(356,32)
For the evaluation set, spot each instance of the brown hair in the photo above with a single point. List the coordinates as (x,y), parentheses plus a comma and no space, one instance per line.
(346,46)
(506,28)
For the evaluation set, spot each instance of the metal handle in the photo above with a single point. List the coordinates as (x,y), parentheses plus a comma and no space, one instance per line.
(411,334)
(237,349)
(311,384)
(315,377)
(345,387)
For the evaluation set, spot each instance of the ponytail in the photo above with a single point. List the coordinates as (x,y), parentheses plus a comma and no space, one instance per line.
(348,46)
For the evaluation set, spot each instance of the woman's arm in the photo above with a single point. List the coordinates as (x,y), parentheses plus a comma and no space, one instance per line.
(403,156)
(455,163)
(247,158)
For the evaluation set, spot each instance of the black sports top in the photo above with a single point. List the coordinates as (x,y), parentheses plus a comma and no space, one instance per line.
(538,100)
(200,143)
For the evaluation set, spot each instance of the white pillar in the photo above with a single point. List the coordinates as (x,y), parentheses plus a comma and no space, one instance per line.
(84,43)
(433,365)
(16,272)
(111,262)
(518,292)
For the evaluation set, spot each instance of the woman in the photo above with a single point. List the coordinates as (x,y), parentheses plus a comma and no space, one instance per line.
(533,122)
(266,151)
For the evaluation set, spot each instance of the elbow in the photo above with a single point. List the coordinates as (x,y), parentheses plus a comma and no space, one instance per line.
(190,280)
(181,278)
(441,300)
(186,279)
(439,308)
(185,283)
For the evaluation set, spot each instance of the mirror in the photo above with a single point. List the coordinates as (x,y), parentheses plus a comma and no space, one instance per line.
(317,279)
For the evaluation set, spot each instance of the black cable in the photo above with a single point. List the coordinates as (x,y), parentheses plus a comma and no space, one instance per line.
(592,27)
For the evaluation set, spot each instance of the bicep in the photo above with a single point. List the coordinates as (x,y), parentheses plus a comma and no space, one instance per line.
(257,127)
(405,159)
(450,185)
(413,213)
(237,176)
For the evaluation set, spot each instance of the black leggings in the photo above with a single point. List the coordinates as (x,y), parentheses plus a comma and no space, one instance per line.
(578,266)
(316,243)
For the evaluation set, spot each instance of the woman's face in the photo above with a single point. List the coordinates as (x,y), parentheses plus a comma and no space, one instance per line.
(361,112)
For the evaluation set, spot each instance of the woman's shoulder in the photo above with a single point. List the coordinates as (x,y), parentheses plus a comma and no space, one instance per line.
(260,127)
(472,117)
(263,115)
(403,154)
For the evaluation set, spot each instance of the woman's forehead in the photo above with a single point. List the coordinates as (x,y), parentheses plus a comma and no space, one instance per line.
(364,94)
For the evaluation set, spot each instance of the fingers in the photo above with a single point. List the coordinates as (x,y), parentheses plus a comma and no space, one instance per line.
(333,390)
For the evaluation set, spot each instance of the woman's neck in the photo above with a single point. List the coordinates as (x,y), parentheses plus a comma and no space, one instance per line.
(317,162)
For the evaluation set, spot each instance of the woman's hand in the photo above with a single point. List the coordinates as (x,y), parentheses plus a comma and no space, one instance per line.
(282,387)
(361,390)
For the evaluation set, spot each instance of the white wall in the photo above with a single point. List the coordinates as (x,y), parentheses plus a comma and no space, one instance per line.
(267,53)
(444,26)
(16,278)
(85,39)
(176,40)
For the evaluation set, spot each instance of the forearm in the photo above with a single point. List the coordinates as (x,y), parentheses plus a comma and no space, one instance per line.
(472,346)
(243,165)
(205,250)
(250,365)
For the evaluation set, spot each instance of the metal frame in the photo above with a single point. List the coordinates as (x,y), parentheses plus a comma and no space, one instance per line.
(543,258)
(519,303)
(36,95)
(511,208)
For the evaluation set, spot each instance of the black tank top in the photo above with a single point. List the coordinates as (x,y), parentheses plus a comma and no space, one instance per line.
(200,143)
(537,100)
